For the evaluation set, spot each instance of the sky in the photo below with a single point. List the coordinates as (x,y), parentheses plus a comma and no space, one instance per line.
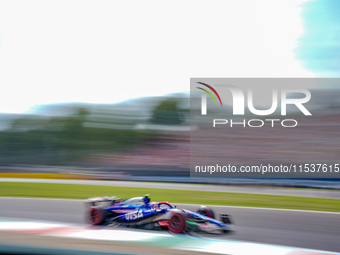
(102,51)
(318,47)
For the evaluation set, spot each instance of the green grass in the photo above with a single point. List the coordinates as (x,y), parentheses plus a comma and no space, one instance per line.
(76,191)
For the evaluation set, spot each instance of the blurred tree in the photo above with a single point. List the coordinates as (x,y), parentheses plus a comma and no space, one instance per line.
(74,125)
(60,139)
(167,113)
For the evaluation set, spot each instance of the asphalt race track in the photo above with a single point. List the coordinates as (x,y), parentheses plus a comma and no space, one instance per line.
(313,230)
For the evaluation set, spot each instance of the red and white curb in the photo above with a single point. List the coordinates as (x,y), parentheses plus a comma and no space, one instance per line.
(180,242)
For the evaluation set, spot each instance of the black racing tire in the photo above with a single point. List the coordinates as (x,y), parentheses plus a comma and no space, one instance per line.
(95,216)
(177,222)
(206,211)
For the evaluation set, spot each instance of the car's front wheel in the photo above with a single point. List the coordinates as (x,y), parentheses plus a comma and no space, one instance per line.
(206,211)
(177,222)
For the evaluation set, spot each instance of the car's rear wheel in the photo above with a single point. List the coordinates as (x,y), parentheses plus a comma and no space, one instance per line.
(206,211)
(96,216)
(177,222)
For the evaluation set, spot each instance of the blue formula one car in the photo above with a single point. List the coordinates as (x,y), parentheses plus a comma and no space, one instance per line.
(139,212)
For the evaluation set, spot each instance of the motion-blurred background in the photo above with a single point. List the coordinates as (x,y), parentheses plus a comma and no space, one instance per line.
(100,90)
(82,93)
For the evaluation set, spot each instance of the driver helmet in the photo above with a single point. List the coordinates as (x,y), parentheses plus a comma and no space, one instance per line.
(146,198)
